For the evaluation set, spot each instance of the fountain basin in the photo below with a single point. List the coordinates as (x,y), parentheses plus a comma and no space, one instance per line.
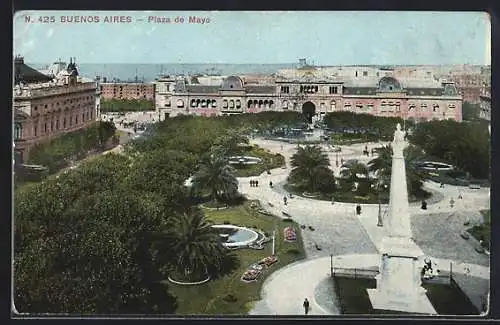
(239,236)
(244,160)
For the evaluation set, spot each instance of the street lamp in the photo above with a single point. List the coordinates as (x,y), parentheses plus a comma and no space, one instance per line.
(337,159)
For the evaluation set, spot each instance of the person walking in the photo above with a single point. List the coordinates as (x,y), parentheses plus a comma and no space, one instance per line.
(306,306)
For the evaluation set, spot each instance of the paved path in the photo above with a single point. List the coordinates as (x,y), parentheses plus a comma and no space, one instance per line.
(299,280)
(340,232)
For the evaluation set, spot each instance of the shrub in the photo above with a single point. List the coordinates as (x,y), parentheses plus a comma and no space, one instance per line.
(230,298)
(293,251)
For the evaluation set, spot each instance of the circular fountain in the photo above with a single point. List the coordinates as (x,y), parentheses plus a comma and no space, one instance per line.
(244,160)
(235,236)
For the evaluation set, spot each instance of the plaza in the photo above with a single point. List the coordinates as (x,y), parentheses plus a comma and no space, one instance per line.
(354,241)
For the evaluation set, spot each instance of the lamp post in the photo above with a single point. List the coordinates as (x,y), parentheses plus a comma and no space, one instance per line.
(337,159)
(379,217)
(331,265)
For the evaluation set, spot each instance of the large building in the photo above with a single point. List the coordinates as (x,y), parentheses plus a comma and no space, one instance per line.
(485,104)
(46,106)
(382,96)
(128,90)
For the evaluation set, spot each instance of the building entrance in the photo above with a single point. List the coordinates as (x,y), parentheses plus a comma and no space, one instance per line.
(308,110)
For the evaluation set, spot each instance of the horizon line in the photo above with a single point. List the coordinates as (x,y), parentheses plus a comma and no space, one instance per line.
(254,63)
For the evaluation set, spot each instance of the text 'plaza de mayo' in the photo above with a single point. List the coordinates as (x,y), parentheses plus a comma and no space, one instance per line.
(315,91)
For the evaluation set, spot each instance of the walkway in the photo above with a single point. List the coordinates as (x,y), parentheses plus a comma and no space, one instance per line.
(300,281)
(354,240)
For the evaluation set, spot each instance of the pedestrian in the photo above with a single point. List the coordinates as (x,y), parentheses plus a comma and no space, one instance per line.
(442,185)
(256,183)
(452,203)
(284,200)
(251,183)
(306,306)
(333,200)
(270,183)
(460,196)
(358,209)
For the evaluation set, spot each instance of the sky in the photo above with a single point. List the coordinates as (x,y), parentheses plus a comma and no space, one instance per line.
(323,37)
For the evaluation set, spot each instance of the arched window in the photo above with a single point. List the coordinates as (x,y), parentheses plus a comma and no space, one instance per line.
(193,102)
(180,103)
(231,103)
(249,104)
(285,104)
(238,103)
(260,103)
(224,103)
(271,104)
(203,103)
(18,131)
(214,103)
(333,105)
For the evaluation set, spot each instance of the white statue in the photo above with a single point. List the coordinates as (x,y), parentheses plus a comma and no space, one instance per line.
(398,144)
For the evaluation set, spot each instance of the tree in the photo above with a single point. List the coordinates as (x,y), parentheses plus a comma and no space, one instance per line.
(311,169)
(90,255)
(470,111)
(194,248)
(217,176)
(382,166)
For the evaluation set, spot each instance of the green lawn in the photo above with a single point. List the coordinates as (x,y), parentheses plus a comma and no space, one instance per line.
(483,231)
(213,297)
(269,161)
(353,197)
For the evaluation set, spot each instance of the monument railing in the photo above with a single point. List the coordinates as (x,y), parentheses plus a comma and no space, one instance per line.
(355,272)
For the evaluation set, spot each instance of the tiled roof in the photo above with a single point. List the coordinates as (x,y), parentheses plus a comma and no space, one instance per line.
(260,89)
(26,74)
(425,91)
(360,90)
(202,89)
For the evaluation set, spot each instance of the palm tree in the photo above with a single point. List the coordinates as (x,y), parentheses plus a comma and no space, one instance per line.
(382,165)
(193,245)
(310,168)
(216,175)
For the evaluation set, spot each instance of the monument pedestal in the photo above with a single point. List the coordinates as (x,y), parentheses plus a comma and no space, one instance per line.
(399,282)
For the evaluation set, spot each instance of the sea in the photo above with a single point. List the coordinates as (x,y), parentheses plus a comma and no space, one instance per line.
(149,72)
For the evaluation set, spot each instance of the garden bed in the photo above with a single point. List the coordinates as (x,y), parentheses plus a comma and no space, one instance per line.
(212,297)
(269,161)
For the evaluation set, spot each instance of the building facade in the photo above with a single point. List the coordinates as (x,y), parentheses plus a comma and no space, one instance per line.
(485,104)
(46,106)
(385,96)
(128,90)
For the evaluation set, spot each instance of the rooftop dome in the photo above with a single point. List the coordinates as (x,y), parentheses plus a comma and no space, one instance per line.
(232,83)
(389,84)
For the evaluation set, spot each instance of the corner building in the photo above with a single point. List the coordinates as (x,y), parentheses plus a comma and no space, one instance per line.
(47,106)
(385,96)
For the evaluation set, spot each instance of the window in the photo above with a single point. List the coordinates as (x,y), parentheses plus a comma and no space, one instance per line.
(365,73)
(92,114)
(411,106)
(45,127)
(18,131)
(76,119)
(423,106)
(83,117)
(35,131)
(435,107)
(51,126)
(231,103)
(45,105)
(285,89)
(224,103)
(333,105)
(214,103)
(284,104)
(333,89)
(57,124)
(64,123)
(238,103)
(180,103)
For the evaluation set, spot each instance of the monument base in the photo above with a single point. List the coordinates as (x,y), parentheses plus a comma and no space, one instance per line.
(399,284)
(415,304)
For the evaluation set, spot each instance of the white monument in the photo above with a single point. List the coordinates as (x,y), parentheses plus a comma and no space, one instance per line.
(399,285)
